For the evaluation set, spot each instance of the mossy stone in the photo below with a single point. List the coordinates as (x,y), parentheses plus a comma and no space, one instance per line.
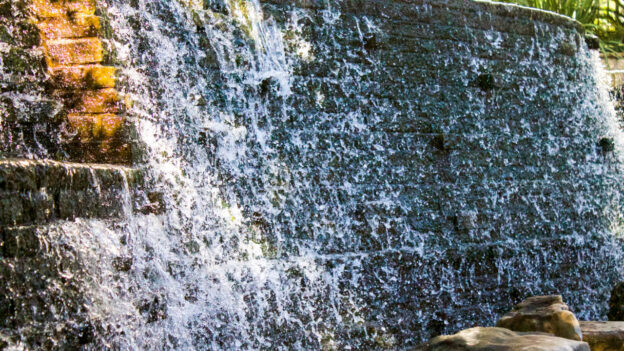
(567,49)
(5,35)
(7,110)
(5,8)
(592,41)
(17,60)
(29,34)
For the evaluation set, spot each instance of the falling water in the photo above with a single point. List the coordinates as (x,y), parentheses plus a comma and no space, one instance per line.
(336,176)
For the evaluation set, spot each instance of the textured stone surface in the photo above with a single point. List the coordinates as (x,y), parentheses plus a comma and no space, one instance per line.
(77,83)
(603,336)
(34,192)
(499,339)
(30,123)
(616,303)
(547,314)
(435,162)
(47,313)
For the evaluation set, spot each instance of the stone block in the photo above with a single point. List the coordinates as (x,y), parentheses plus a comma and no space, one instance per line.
(101,101)
(76,26)
(63,52)
(101,151)
(547,314)
(11,208)
(19,242)
(83,77)
(96,126)
(603,336)
(36,192)
(61,8)
(479,339)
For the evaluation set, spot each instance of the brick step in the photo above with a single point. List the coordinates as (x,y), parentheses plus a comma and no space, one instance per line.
(62,8)
(90,101)
(69,52)
(83,77)
(100,138)
(101,152)
(98,131)
(103,126)
(38,192)
(75,26)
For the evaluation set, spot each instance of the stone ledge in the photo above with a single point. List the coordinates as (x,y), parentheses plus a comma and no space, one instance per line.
(78,26)
(60,8)
(35,192)
(604,336)
(396,8)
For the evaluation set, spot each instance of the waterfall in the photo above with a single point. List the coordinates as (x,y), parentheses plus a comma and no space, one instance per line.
(340,175)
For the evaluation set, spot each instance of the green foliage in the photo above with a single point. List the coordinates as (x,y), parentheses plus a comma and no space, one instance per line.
(604,18)
(585,11)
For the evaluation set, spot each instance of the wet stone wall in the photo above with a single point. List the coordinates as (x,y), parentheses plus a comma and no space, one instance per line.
(28,116)
(359,174)
(443,160)
(44,199)
(330,175)
(57,85)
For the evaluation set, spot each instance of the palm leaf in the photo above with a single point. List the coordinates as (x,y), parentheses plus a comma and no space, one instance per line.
(605,18)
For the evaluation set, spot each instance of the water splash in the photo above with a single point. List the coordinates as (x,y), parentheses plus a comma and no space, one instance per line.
(334,179)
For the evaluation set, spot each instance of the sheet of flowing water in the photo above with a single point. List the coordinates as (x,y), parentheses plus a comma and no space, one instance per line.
(227,266)
(200,278)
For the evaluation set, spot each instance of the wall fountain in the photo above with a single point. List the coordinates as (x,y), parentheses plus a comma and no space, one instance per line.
(301,174)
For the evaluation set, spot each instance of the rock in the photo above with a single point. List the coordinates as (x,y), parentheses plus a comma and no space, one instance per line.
(500,339)
(592,41)
(19,61)
(122,264)
(547,314)
(486,82)
(604,336)
(616,303)
(567,49)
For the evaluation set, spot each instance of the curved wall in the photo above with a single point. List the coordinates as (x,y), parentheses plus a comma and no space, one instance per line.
(444,155)
(336,174)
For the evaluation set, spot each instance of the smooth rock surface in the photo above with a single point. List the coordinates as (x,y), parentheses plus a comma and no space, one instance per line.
(604,336)
(547,314)
(500,339)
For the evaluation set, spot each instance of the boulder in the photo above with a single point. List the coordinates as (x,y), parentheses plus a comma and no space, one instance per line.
(616,303)
(547,314)
(604,336)
(500,339)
